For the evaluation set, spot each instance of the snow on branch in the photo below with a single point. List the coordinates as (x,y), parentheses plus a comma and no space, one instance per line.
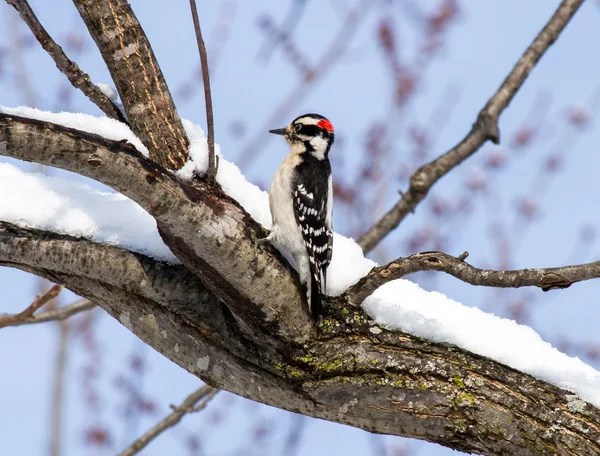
(62,206)
(486,127)
(148,295)
(207,231)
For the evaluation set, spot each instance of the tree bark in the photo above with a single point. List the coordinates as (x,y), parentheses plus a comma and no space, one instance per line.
(138,78)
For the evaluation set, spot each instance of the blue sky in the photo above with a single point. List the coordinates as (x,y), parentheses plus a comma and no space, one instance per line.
(480,48)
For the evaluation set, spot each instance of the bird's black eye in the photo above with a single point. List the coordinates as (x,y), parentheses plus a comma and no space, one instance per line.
(297,128)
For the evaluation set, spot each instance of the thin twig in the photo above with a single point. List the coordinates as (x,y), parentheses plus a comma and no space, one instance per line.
(138,78)
(212,167)
(77,78)
(27,314)
(485,128)
(544,278)
(187,406)
(60,314)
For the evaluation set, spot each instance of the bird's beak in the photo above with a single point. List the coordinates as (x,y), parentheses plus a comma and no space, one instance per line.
(279,131)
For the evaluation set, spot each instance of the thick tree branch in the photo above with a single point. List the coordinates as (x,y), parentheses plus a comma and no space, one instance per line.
(138,78)
(382,381)
(210,139)
(187,406)
(171,286)
(27,314)
(76,76)
(544,278)
(486,127)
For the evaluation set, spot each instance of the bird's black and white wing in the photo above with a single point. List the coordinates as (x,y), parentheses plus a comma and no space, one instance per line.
(312,202)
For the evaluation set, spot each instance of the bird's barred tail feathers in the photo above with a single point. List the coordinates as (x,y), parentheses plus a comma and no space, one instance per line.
(314,299)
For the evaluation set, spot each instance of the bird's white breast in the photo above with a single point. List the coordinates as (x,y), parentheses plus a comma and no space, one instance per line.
(285,228)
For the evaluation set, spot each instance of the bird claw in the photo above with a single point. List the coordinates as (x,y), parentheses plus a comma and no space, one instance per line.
(258,242)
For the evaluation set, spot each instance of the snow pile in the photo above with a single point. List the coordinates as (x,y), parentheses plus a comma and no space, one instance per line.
(65,206)
(404,305)
(252,198)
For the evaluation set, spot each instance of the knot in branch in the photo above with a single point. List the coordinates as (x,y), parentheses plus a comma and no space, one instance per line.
(488,124)
(420,182)
(553,281)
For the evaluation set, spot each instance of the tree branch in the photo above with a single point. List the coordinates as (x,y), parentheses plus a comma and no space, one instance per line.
(544,278)
(382,381)
(27,314)
(60,314)
(138,78)
(212,167)
(187,406)
(74,74)
(486,127)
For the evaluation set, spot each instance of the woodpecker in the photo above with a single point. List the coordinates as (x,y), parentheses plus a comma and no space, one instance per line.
(301,201)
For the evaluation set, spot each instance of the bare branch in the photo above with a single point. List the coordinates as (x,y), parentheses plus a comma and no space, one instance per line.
(544,278)
(212,165)
(70,69)
(187,406)
(27,314)
(60,314)
(486,127)
(131,272)
(138,78)
(384,381)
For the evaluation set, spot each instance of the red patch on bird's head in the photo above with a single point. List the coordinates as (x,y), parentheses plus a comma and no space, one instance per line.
(325,125)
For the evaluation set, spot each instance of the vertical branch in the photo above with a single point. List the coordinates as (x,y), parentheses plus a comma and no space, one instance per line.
(138,78)
(212,171)
(60,364)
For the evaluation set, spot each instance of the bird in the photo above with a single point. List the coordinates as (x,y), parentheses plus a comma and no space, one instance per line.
(301,203)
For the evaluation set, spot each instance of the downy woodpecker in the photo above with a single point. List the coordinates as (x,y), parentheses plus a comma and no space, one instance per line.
(301,201)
